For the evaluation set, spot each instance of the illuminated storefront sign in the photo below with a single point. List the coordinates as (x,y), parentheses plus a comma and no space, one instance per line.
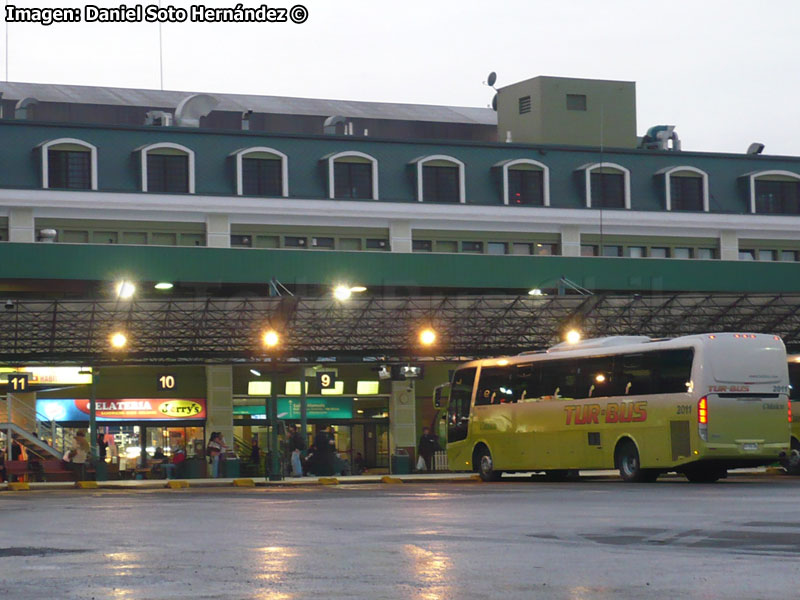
(51,375)
(316,408)
(124,409)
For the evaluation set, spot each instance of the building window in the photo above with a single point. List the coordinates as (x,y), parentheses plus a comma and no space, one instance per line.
(525,187)
(439,179)
(777,197)
(686,193)
(440,184)
(261,171)
(546,249)
(706,253)
(686,188)
(242,241)
(747,254)
(324,243)
(472,247)
(352,175)
(521,249)
(788,255)
(524,105)
(588,250)
(658,252)
(69,169)
(377,244)
(767,255)
(422,246)
(681,253)
(607,185)
(612,250)
(69,164)
(167,168)
(294,242)
(636,251)
(576,101)
(352,180)
(497,248)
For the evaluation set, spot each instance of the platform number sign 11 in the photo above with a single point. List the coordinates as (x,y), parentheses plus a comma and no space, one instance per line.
(18,382)
(326,380)
(165,383)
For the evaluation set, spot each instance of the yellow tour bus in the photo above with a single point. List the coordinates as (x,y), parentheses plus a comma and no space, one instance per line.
(697,405)
(792,461)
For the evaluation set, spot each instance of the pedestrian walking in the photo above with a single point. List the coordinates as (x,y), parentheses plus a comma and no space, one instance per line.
(428,445)
(78,454)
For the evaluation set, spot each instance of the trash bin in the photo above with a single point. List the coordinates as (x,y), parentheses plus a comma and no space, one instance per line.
(101,471)
(401,462)
(193,468)
(230,467)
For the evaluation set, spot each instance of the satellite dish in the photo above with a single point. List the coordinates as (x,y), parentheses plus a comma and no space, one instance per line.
(494,103)
(492,78)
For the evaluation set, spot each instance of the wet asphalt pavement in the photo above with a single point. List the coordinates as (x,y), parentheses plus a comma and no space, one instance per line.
(603,539)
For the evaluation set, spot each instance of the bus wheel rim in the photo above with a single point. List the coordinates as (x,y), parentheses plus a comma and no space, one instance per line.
(486,464)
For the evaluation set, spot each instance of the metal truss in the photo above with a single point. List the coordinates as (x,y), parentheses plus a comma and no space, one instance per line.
(361,329)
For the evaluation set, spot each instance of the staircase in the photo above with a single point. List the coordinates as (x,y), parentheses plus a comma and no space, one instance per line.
(41,438)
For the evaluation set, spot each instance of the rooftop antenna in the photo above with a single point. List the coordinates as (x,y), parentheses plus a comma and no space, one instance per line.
(490,81)
(160,51)
(6,9)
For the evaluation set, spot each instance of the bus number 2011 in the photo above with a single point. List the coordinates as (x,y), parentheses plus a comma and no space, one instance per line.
(684,409)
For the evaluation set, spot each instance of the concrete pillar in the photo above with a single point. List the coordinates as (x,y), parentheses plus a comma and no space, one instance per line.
(400,236)
(728,245)
(403,415)
(218,231)
(219,401)
(570,240)
(21,225)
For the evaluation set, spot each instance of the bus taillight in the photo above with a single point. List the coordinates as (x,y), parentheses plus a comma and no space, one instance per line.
(702,418)
(789,405)
(702,411)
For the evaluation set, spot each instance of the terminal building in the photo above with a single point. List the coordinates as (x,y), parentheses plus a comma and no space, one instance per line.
(497,230)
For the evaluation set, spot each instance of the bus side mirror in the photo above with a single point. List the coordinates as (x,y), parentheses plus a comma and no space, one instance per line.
(438,400)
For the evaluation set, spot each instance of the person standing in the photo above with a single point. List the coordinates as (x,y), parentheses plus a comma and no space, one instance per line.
(213,450)
(296,445)
(326,451)
(428,445)
(79,454)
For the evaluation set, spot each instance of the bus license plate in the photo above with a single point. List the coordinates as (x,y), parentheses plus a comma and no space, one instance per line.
(751,447)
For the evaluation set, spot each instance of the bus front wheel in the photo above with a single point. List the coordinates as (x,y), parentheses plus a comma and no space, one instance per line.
(483,460)
(630,469)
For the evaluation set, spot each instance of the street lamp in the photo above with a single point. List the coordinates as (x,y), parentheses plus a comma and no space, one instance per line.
(343,292)
(573,336)
(427,337)
(271,338)
(125,290)
(118,340)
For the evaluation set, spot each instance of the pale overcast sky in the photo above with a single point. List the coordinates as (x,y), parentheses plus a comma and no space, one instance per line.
(724,72)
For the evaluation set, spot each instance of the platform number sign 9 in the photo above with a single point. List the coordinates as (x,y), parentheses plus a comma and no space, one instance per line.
(326,380)
(165,383)
(18,382)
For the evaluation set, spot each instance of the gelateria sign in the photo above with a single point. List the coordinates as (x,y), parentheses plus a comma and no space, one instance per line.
(123,409)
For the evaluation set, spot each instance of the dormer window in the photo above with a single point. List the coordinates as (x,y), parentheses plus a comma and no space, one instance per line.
(685,189)
(775,193)
(526,182)
(261,171)
(440,179)
(352,175)
(69,164)
(606,185)
(167,168)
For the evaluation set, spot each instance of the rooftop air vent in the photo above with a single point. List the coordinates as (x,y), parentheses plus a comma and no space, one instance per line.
(159,118)
(604,342)
(658,138)
(21,109)
(190,110)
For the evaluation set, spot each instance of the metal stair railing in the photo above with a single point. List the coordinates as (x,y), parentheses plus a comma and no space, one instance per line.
(32,428)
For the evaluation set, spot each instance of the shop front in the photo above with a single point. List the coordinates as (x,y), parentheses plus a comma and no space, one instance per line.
(138,435)
(360,425)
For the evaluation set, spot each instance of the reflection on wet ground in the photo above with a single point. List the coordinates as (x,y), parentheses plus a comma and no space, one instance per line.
(602,540)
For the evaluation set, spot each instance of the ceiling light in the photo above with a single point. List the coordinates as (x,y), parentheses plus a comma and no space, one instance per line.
(163,285)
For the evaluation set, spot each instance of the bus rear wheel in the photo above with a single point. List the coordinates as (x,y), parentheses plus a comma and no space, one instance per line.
(791,463)
(630,469)
(483,460)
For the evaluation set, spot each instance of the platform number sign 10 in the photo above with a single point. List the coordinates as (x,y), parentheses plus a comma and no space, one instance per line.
(326,380)
(165,383)
(18,382)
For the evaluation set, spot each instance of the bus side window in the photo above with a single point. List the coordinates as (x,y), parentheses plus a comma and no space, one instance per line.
(525,383)
(672,370)
(637,374)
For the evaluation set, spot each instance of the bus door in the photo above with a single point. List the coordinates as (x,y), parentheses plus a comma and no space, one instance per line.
(458,409)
